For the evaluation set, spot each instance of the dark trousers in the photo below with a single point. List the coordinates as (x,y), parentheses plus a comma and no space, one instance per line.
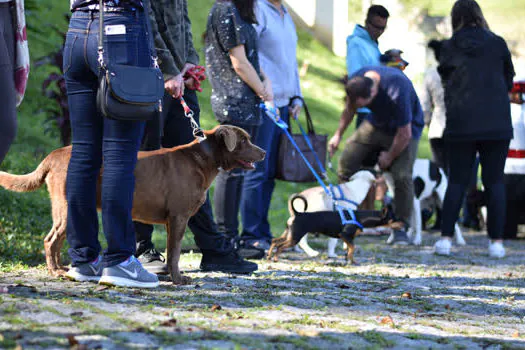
(170,130)
(228,194)
(8,122)
(515,188)
(437,145)
(461,157)
(365,144)
(260,183)
(99,141)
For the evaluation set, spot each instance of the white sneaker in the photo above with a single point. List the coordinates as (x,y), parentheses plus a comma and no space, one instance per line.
(496,250)
(442,247)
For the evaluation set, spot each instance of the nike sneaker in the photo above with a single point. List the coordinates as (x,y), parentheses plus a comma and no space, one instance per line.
(129,273)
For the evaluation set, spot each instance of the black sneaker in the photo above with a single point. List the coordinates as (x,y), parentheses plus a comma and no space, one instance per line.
(398,237)
(230,263)
(153,262)
(247,250)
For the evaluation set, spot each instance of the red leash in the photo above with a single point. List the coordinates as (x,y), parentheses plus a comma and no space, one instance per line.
(198,73)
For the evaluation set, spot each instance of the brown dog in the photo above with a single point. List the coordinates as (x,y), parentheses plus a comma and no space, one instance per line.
(170,186)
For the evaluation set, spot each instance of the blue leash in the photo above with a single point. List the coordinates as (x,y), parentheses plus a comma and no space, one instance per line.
(272,114)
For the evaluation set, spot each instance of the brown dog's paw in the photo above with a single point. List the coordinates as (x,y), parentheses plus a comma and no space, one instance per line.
(58,272)
(181,280)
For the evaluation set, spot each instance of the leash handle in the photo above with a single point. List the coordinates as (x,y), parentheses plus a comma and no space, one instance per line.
(188,113)
(198,74)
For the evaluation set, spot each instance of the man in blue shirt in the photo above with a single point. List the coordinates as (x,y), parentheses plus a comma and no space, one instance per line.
(362,46)
(390,133)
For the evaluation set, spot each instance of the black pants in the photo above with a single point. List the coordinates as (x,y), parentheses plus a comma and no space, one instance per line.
(174,129)
(8,121)
(515,186)
(437,146)
(461,157)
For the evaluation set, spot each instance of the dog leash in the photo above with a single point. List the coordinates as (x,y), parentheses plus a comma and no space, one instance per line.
(188,113)
(198,74)
(272,114)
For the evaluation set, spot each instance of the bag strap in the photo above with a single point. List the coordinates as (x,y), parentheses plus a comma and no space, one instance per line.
(309,122)
(152,50)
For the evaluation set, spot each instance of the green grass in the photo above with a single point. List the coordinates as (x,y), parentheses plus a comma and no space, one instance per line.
(25,218)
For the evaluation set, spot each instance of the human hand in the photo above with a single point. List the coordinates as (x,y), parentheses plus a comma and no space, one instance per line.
(175,86)
(190,84)
(333,144)
(385,160)
(295,110)
(186,68)
(266,94)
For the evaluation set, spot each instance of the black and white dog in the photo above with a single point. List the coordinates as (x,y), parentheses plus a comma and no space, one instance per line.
(430,183)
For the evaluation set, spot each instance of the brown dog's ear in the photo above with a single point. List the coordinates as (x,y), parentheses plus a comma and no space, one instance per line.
(229,136)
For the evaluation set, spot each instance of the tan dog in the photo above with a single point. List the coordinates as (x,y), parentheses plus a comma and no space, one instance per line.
(170,186)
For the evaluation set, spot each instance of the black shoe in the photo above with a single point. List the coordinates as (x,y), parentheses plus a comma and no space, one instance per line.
(398,237)
(230,263)
(153,262)
(248,251)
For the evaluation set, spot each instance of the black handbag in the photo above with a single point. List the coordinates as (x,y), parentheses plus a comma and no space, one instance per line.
(128,92)
(290,165)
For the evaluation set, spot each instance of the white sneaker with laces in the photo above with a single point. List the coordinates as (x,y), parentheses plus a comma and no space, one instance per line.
(496,250)
(442,247)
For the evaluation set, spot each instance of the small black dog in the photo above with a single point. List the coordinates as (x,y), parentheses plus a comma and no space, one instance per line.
(328,223)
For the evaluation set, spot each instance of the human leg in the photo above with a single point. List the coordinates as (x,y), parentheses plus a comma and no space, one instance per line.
(8,121)
(259,183)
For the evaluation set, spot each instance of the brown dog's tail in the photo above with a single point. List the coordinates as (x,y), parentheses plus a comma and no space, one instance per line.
(28,182)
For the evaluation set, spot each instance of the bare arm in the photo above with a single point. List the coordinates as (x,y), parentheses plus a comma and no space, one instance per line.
(246,72)
(346,118)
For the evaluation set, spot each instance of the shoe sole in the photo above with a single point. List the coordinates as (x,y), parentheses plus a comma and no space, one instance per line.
(234,271)
(77,277)
(156,270)
(252,254)
(125,282)
(437,252)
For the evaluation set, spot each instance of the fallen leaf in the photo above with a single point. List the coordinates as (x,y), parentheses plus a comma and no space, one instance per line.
(169,323)
(308,333)
(197,286)
(2,337)
(343,286)
(4,289)
(508,274)
(18,336)
(19,347)
(447,307)
(166,313)
(387,320)
(101,288)
(72,340)
(216,307)
(516,334)
(76,313)
(407,276)
(406,295)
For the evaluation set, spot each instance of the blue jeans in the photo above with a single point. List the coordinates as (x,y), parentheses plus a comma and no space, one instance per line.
(260,183)
(228,194)
(172,130)
(101,142)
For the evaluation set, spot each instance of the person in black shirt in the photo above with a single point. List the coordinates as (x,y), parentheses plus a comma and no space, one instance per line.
(477,71)
(238,87)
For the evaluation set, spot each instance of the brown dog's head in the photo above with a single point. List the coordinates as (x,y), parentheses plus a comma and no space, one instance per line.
(234,148)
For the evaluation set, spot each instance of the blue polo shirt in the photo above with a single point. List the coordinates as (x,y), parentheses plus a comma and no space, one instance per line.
(396,103)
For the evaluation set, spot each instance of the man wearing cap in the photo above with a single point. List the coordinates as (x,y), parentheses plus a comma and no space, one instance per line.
(362,46)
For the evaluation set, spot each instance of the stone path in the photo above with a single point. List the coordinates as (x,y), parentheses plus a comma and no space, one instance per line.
(396,298)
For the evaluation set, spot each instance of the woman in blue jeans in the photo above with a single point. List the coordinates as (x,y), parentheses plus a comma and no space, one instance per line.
(102,142)
(476,69)
(238,87)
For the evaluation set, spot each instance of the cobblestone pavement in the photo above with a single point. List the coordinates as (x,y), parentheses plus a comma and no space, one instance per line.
(397,298)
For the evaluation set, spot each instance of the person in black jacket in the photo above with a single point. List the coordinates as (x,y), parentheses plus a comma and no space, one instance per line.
(477,72)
